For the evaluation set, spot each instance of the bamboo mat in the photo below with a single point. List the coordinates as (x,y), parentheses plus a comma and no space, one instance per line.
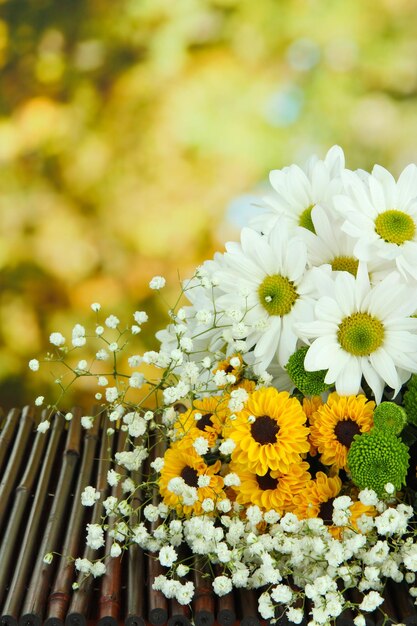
(42,477)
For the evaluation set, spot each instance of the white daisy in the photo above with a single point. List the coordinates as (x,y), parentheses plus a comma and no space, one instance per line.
(329,245)
(381,215)
(298,190)
(363,330)
(266,275)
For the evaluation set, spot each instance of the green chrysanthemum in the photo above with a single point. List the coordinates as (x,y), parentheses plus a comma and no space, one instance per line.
(309,383)
(377,458)
(410,400)
(390,417)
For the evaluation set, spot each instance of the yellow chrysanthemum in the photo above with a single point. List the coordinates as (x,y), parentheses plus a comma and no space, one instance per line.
(185,463)
(204,419)
(273,490)
(316,500)
(269,432)
(335,423)
(310,406)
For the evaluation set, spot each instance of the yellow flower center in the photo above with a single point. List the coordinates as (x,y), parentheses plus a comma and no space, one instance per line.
(360,334)
(345,264)
(277,294)
(395,226)
(305,219)
(265,430)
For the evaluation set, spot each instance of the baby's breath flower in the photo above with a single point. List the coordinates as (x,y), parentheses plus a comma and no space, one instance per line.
(87,421)
(69,416)
(135,329)
(135,360)
(112,321)
(102,355)
(136,380)
(167,556)
(89,496)
(39,400)
(48,558)
(157,282)
(113,347)
(43,426)
(113,477)
(112,394)
(98,569)
(115,550)
(57,339)
(95,306)
(140,317)
(78,336)
(99,330)
(102,381)
(34,365)
(158,464)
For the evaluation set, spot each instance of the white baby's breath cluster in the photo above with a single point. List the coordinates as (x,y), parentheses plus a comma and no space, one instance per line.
(304,275)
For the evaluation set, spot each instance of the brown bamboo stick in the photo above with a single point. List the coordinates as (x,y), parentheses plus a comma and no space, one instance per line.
(157,602)
(135,609)
(36,596)
(17,456)
(404,603)
(61,592)
(25,559)
(110,596)
(10,537)
(248,607)
(226,613)
(204,604)
(80,600)
(180,614)
(7,435)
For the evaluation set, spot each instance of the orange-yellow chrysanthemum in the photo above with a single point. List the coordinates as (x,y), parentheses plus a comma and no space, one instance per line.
(316,500)
(211,413)
(335,423)
(183,462)
(273,490)
(269,432)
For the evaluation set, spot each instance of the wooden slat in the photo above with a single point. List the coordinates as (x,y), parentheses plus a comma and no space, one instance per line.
(25,560)
(80,601)
(24,490)
(135,609)
(7,435)
(36,596)
(17,457)
(61,591)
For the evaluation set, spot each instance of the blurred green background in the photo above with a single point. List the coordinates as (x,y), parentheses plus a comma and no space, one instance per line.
(130,132)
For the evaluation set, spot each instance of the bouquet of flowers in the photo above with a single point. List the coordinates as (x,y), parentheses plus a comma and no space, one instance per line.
(278,422)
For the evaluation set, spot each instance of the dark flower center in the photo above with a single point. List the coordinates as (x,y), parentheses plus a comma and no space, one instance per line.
(204,421)
(326,511)
(190,476)
(345,430)
(267,482)
(265,430)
